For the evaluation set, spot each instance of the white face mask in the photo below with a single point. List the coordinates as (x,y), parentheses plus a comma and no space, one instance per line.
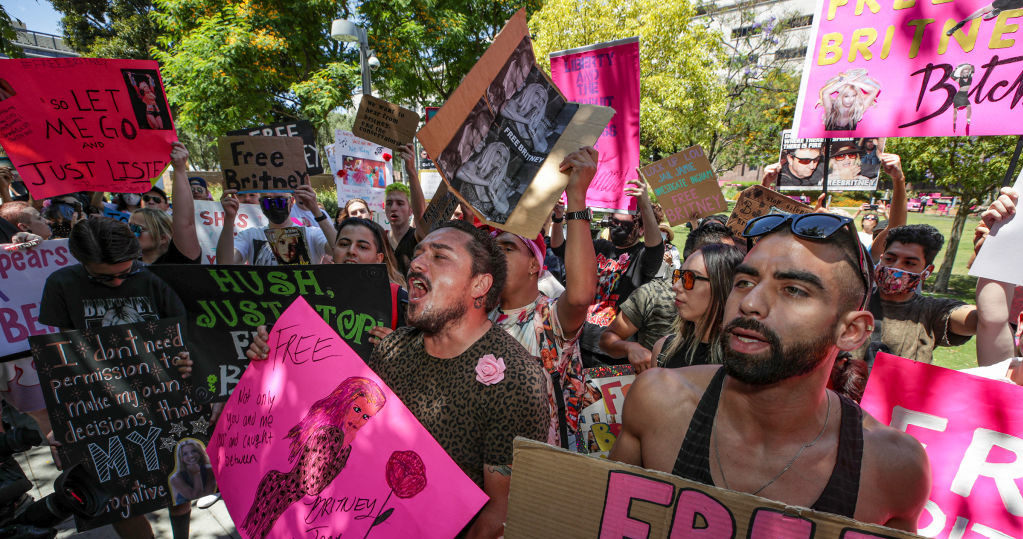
(664,236)
(131,199)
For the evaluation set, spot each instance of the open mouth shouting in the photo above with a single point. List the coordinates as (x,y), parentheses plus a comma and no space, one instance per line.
(418,287)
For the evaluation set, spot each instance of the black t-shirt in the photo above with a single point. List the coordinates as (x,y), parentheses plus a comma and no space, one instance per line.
(681,356)
(72,301)
(405,250)
(7,230)
(174,256)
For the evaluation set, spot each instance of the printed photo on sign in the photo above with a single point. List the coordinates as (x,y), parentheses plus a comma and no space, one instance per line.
(846,98)
(854,164)
(288,245)
(192,475)
(535,113)
(147,99)
(468,141)
(363,172)
(801,162)
(513,76)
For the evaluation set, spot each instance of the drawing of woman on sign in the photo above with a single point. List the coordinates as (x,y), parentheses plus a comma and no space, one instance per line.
(528,112)
(482,177)
(192,477)
(320,446)
(846,97)
(963,74)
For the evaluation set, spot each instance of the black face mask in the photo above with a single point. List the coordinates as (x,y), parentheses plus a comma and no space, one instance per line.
(621,232)
(60,230)
(274,211)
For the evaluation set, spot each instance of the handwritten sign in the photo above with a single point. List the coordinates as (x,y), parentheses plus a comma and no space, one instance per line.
(385,123)
(85,124)
(313,443)
(600,421)
(911,69)
(685,186)
(302,129)
(226,304)
(440,208)
(758,200)
(262,164)
(972,430)
(362,169)
(22,276)
(209,223)
(118,405)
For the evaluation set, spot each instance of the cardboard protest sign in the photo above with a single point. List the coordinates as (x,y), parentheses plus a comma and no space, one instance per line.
(216,177)
(85,124)
(972,430)
(384,123)
(911,69)
(314,443)
(288,245)
(606,74)
(1000,258)
(118,405)
(22,276)
(758,200)
(209,222)
(558,493)
(855,164)
(362,169)
(262,164)
(500,137)
(600,421)
(302,129)
(685,186)
(226,304)
(430,180)
(440,208)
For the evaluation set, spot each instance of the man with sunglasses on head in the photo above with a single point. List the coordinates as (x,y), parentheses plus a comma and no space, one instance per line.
(250,245)
(765,422)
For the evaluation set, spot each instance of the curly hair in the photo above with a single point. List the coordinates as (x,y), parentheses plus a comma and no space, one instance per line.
(925,236)
(487,258)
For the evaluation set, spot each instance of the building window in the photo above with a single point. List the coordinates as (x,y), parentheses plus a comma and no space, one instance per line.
(796,52)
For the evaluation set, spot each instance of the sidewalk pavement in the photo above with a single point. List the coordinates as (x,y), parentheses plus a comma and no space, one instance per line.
(38,466)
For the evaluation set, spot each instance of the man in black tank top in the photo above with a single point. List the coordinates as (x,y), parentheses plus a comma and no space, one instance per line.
(765,423)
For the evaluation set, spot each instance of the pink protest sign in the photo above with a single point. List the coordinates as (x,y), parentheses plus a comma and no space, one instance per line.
(85,124)
(606,74)
(909,68)
(312,443)
(972,428)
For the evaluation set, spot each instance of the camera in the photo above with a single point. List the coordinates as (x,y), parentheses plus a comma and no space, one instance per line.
(373,62)
(75,492)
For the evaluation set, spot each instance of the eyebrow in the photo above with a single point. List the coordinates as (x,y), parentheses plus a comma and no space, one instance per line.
(433,245)
(747,270)
(802,276)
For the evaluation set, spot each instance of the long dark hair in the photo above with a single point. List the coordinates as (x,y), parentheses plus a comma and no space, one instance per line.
(721,261)
(382,245)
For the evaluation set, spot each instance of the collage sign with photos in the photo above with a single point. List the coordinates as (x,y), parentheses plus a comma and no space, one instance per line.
(854,165)
(600,421)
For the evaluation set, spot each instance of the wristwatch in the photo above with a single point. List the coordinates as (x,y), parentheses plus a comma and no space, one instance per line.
(584,215)
(321,217)
(556,220)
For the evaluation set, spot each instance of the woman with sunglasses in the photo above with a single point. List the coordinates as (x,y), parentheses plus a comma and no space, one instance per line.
(166,239)
(701,288)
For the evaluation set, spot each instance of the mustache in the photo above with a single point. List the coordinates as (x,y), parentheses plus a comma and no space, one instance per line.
(753,325)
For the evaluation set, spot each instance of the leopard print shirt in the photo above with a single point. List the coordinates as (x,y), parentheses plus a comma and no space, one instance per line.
(474,423)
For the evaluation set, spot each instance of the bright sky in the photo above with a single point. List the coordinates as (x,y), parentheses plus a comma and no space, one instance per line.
(37,15)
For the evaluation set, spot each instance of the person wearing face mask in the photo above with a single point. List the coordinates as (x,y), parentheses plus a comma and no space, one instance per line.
(125,202)
(250,245)
(913,324)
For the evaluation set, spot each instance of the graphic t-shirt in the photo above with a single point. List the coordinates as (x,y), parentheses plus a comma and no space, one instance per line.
(252,245)
(651,308)
(913,328)
(473,422)
(71,301)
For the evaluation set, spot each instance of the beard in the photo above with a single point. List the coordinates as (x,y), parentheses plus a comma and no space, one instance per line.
(783,362)
(431,320)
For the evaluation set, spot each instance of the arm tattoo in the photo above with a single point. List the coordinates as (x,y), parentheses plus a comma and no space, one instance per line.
(502,469)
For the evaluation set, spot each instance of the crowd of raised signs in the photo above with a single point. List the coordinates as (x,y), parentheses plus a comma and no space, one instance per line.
(491,334)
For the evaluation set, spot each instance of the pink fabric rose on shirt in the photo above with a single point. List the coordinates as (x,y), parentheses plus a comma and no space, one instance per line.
(490,370)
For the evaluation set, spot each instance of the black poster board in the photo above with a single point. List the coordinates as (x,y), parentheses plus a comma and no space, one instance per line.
(226,304)
(118,405)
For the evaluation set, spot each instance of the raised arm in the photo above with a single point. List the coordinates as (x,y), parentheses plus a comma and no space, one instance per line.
(580,260)
(994,336)
(892,164)
(418,199)
(307,197)
(183,218)
(226,253)
(651,233)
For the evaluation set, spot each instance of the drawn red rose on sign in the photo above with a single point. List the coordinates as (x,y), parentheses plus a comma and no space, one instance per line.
(406,475)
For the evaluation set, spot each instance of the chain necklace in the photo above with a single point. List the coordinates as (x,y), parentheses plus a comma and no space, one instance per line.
(717,454)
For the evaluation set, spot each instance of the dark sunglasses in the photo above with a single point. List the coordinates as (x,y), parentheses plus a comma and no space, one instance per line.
(152,200)
(269,203)
(136,229)
(135,269)
(688,277)
(806,160)
(812,226)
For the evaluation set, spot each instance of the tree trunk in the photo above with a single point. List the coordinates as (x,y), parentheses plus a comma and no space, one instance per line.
(951,246)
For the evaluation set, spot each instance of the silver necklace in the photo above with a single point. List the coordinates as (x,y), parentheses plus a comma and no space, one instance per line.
(717,454)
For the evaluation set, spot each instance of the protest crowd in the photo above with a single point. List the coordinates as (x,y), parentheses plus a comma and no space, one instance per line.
(748,349)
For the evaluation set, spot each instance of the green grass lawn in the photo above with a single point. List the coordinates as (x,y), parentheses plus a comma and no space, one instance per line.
(961,285)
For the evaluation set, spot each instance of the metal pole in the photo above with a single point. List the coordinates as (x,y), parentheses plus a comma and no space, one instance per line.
(1011,173)
(364,61)
(827,162)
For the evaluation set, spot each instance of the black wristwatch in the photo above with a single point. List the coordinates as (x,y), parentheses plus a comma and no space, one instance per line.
(584,215)
(321,217)
(556,220)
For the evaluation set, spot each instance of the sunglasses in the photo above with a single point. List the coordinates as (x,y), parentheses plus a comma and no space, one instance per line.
(688,277)
(153,200)
(806,160)
(270,203)
(812,226)
(196,188)
(844,157)
(137,229)
(100,278)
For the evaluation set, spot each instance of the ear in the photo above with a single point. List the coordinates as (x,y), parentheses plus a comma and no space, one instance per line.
(22,227)
(853,329)
(534,265)
(481,284)
(380,257)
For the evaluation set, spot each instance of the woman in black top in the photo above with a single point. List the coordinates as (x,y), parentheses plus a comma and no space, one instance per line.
(701,288)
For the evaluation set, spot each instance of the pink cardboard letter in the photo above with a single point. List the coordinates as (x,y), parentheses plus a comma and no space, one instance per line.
(623,488)
(717,519)
(770,524)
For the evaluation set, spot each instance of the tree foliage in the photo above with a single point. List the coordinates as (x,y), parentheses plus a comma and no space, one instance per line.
(108,28)
(426,47)
(682,98)
(971,168)
(8,36)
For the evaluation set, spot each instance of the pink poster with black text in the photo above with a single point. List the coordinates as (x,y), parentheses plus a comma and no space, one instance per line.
(972,429)
(913,68)
(606,74)
(85,124)
(312,443)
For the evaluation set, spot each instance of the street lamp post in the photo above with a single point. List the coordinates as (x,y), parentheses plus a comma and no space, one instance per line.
(347,31)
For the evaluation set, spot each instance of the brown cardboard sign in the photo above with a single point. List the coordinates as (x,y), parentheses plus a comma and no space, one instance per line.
(385,123)
(499,138)
(555,493)
(262,164)
(216,177)
(440,208)
(685,186)
(759,200)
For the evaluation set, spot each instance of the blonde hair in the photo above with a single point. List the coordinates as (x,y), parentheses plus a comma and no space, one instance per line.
(157,223)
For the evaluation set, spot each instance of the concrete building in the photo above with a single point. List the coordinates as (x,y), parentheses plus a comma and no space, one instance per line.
(40,44)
